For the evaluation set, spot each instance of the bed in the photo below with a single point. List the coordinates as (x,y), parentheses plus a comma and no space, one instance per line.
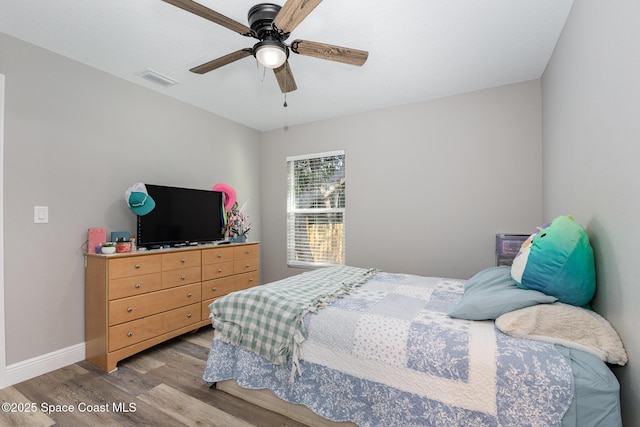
(375,348)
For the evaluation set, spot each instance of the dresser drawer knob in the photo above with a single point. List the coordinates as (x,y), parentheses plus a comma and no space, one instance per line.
(183,277)
(137,285)
(189,295)
(251,280)
(138,265)
(214,289)
(130,334)
(247,252)
(183,260)
(129,310)
(189,315)
(219,255)
(219,270)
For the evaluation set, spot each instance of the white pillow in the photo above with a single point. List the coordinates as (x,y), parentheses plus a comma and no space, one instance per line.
(567,325)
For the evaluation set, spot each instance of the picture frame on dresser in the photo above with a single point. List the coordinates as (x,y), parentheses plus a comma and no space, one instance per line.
(136,300)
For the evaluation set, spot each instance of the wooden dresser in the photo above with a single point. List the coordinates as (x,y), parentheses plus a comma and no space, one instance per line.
(136,300)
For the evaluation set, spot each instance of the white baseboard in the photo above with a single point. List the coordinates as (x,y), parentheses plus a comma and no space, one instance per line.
(31,368)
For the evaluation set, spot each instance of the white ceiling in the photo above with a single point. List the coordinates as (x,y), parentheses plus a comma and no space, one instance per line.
(418,50)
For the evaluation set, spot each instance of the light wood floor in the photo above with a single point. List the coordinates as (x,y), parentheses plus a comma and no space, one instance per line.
(161,386)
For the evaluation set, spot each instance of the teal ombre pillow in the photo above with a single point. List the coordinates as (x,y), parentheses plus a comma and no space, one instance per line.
(557,260)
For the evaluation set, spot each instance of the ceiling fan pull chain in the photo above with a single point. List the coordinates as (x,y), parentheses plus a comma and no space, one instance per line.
(264,71)
(286,86)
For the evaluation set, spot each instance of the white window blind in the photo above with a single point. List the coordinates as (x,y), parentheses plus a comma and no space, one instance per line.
(316,209)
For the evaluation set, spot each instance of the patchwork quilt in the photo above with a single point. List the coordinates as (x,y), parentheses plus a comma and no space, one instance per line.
(388,354)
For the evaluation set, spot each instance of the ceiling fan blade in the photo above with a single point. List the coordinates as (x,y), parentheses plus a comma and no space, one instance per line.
(223,60)
(211,15)
(293,13)
(330,52)
(285,78)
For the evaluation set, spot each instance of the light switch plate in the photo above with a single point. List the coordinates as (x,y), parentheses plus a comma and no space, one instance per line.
(41,214)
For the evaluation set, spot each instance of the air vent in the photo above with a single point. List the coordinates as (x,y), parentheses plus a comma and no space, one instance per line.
(157,78)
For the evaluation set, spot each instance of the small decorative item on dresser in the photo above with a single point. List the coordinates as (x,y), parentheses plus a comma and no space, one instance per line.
(238,224)
(123,246)
(95,239)
(108,248)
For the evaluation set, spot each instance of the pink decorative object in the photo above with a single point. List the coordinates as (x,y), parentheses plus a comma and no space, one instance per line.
(229,195)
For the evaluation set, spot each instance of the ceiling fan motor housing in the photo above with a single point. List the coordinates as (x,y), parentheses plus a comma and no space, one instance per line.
(261,18)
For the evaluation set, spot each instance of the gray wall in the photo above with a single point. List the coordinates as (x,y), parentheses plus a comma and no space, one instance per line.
(591,103)
(428,185)
(75,140)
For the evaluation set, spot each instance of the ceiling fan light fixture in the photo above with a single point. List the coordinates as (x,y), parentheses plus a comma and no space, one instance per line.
(271,53)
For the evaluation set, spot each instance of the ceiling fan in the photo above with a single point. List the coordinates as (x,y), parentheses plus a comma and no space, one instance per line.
(272,25)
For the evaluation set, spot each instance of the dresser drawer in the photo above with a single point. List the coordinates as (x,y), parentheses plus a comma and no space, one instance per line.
(180,277)
(246,280)
(245,265)
(135,285)
(136,307)
(216,271)
(179,260)
(212,289)
(130,333)
(217,255)
(246,251)
(134,266)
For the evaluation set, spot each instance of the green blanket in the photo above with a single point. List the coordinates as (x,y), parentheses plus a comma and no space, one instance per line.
(268,319)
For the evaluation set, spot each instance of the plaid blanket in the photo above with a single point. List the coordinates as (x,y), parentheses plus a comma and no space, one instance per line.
(268,319)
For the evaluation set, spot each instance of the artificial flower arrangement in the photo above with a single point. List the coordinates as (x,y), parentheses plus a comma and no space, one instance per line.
(238,222)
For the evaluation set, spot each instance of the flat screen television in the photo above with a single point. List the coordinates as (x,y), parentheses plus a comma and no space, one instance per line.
(182,216)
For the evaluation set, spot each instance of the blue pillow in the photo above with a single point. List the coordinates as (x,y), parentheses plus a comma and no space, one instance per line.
(493,292)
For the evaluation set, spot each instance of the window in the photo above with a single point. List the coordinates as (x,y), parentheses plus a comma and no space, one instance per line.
(316,209)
